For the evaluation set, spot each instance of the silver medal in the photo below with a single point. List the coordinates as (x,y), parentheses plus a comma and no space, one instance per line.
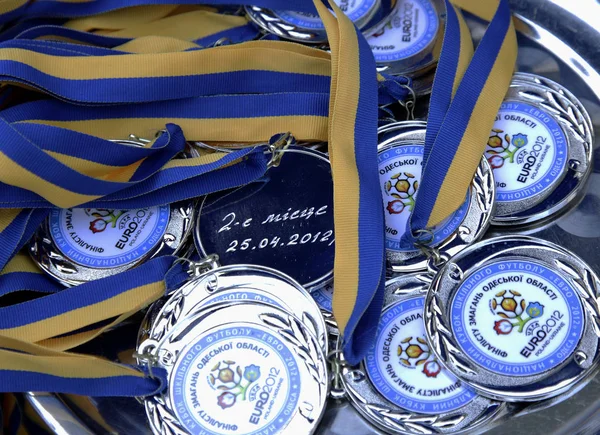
(79,245)
(409,44)
(400,154)
(401,387)
(515,317)
(308,28)
(261,372)
(242,283)
(541,151)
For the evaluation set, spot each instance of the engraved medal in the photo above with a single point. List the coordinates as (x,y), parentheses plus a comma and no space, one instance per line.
(283,220)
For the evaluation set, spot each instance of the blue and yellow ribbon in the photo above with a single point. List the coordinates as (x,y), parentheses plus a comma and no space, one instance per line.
(468,91)
(113,80)
(55,157)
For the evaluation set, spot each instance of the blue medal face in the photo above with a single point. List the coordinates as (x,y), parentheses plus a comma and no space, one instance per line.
(241,380)
(527,150)
(517,318)
(103,238)
(404,370)
(356,10)
(400,169)
(283,220)
(411,30)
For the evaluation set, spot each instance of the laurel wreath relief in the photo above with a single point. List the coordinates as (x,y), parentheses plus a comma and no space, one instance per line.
(563,109)
(410,422)
(484,187)
(587,285)
(46,253)
(288,328)
(442,338)
(161,417)
(296,334)
(171,312)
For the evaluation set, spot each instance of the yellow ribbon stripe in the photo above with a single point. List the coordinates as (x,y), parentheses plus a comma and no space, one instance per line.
(74,320)
(342,114)
(33,358)
(468,155)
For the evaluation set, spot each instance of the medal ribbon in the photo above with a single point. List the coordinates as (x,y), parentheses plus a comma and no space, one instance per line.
(59,166)
(467,93)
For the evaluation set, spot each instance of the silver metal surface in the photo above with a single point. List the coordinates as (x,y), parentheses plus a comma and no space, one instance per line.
(58,416)
(561,90)
(272,22)
(477,216)
(49,257)
(304,369)
(577,163)
(366,396)
(244,283)
(444,330)
(558,39)
(419,64)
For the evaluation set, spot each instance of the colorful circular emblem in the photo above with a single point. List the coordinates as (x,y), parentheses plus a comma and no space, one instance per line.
(106,238)
(517,318)
(527,151)
(356,10)
(324,297)
(400,170)
(412,29)
(241,380)
(403,368)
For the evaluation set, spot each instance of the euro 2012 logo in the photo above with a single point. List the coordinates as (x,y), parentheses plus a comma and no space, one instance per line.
(103,218)
(514,310)
(501,148)
(414,352)
(402,187)
(228,378)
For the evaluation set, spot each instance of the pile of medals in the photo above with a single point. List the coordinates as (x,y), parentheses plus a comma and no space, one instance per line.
(474,329)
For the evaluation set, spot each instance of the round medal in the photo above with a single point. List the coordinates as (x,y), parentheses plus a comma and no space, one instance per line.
(283,220)
(540,153)
(400,154)
(242,283)
(410,42)
(308,28)
(83,244)
(263,372)
(401,387)
(512,317)
(78,245)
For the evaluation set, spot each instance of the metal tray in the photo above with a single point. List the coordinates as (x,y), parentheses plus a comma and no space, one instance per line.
(558,39)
